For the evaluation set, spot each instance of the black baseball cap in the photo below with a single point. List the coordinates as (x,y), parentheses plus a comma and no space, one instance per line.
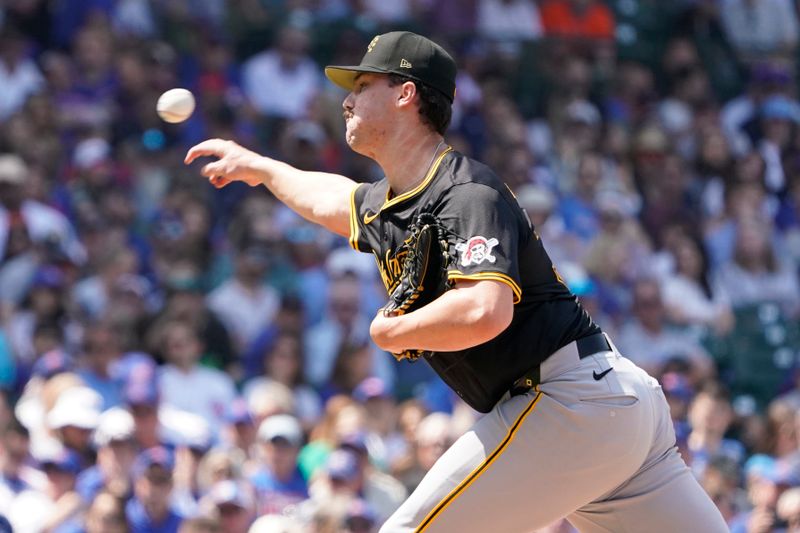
(404,53)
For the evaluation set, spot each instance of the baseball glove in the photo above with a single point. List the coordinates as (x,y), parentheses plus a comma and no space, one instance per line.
(424,274)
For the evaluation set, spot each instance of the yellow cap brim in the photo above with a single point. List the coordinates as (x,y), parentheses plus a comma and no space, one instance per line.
(345,77)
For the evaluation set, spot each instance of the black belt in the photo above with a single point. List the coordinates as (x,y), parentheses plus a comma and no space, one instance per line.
(586,346)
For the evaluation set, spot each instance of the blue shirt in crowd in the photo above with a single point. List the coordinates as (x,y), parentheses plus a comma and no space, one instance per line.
(275,495)
(89,483)
(140,522)
(110,389)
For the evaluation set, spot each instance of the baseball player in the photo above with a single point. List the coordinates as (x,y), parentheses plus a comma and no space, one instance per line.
(572,428)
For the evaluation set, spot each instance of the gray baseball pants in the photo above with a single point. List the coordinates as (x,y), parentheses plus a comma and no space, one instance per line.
(600,452)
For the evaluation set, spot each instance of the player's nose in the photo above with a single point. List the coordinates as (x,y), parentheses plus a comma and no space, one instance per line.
(348,102)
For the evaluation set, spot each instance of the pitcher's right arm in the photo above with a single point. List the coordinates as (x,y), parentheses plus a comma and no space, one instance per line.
(320,197)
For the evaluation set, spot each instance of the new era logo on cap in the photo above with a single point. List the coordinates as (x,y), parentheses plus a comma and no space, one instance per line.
(404,63)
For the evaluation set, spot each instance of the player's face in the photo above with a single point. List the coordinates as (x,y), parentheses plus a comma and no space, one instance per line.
(367,112)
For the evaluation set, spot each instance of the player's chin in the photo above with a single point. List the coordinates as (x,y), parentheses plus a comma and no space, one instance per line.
(354,143)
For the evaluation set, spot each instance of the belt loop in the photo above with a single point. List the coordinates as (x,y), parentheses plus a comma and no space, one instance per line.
(530,381)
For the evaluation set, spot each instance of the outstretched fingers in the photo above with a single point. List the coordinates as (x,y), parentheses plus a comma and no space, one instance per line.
(215,168)
(215,171)
(211,147)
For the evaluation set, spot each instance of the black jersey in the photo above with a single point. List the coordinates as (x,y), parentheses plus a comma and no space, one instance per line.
(491,238)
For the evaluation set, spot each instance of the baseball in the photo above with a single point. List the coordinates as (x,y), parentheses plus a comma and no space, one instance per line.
(175,105)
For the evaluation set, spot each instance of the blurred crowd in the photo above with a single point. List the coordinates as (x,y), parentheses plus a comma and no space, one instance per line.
(175,358)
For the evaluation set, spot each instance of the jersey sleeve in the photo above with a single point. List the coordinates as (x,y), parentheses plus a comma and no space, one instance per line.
(486,227)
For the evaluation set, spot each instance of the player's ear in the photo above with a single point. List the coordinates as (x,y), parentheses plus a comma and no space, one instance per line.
(408,91)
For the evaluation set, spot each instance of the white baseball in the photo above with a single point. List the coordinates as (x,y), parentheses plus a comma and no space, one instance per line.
(175,105)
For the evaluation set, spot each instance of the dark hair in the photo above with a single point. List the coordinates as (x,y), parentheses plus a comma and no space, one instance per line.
(716,391)
(696,241)
(173,323)
(51,328)
(269,351)
(434,107)
(769,258)
(341,375)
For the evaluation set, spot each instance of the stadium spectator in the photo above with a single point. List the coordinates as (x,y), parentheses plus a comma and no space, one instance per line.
(141,398)
(106,514)
(232,504)
(382,492)
(619,253)
(279,483)
(19,75)
(281,81)
(781,431)
(713,167)
(74,417)
(765,481)
(25,221)
(55,502)
(710,415)
(721,480)
(689,298)
(116,452)
(765,79)
(509,21)
(187,385)
(15,475)
(334,491)
(184,302)
(244,303)
(101,350)
(756,274)
(540,204)
(585,26)
(92,294)
(44,308)
(650,341)
(578,209)
(586,19)
(150,510)
(352,366)
(359,518)
(282,362)
(760,28)
(239,432)
(344,326)
(385,443)
(433,437)
(219,464)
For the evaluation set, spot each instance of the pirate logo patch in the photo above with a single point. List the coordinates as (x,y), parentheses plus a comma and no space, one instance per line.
(477,250)
(372,43)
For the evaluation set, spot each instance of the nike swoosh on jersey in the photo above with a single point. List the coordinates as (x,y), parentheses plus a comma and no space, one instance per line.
(601,375)
(369,218)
